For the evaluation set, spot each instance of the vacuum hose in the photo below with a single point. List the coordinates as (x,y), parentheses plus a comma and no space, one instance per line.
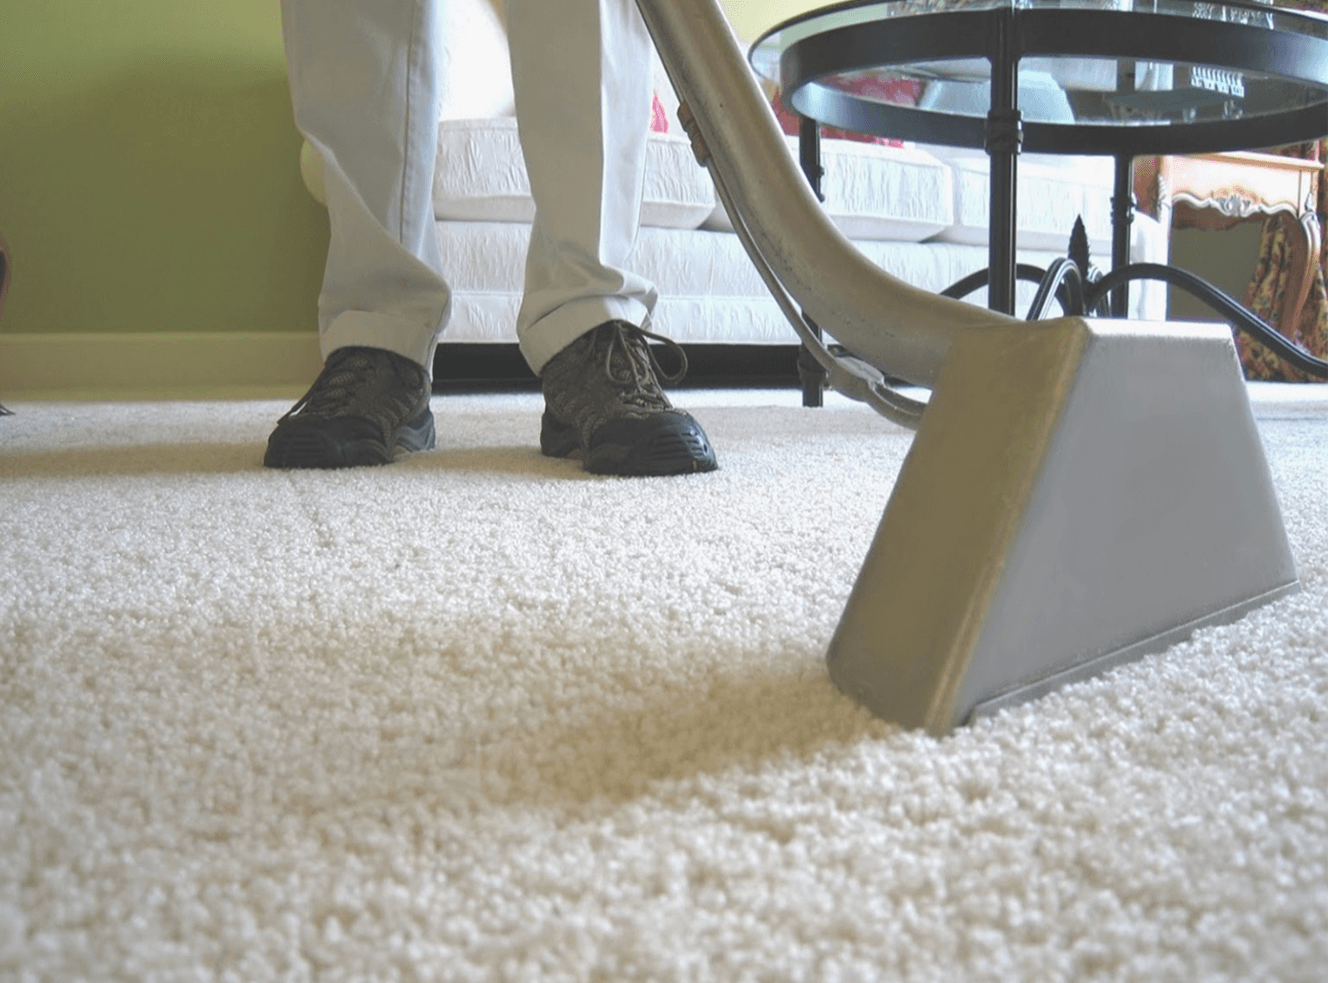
(898,329)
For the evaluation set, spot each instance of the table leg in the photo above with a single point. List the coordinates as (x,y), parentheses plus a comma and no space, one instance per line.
(1304,236)
(1004,138)
(1122,218)
(810,373)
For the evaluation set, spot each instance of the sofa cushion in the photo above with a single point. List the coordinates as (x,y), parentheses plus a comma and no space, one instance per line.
(481,176)
(709,292)
(877,192)
(901,92)
(1053,192)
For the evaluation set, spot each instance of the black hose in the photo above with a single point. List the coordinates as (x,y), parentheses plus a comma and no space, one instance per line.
(1240,316)
(1063,281)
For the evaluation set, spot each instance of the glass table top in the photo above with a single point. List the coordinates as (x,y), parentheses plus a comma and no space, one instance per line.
(1111,64)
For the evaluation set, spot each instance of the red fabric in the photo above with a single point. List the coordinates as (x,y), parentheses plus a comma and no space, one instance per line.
(659,119)
(903,92)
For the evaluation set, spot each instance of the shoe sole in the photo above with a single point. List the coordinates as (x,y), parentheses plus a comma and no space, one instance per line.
(671,444)
(308,447)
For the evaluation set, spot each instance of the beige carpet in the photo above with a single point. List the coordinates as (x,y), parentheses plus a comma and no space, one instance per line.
(478,716)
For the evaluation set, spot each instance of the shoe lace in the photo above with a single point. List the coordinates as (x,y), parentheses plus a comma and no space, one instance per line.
(332,390)
(637,372)
(335,390)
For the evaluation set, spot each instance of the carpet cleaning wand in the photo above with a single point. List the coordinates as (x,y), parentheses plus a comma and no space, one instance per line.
(1080,492)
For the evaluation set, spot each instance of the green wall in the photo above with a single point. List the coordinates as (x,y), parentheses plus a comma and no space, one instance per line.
(149,176)
(149,169)
(751,17)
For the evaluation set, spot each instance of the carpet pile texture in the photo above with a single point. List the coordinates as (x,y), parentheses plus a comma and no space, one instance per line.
(480,716)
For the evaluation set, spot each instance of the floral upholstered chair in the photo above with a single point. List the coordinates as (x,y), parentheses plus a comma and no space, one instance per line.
(1274,270)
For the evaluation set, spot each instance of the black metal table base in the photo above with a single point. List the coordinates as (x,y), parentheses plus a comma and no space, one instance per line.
(1069,285)
(1281,67)
(1068,280)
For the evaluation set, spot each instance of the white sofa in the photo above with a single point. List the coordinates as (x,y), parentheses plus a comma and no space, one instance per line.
(919,212)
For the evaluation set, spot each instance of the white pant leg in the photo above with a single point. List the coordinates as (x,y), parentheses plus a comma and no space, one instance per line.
(364,86)
(582,78)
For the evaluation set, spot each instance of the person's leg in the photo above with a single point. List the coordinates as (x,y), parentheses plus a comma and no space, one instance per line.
(581,75)
(582,79)
(364,88)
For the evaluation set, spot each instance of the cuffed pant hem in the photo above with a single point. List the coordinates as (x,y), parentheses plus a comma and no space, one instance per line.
(370,330)
(558,329)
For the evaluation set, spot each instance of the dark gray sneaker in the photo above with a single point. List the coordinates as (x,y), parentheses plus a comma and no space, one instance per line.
(603,404)
(366,407)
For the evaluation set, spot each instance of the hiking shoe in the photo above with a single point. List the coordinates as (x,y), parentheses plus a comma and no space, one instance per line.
(603,404)
(366,407)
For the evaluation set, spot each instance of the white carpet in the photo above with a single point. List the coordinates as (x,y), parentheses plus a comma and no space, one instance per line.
(478,716)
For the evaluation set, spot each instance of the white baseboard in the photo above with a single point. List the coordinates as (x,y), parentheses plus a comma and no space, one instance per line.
(239,365)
